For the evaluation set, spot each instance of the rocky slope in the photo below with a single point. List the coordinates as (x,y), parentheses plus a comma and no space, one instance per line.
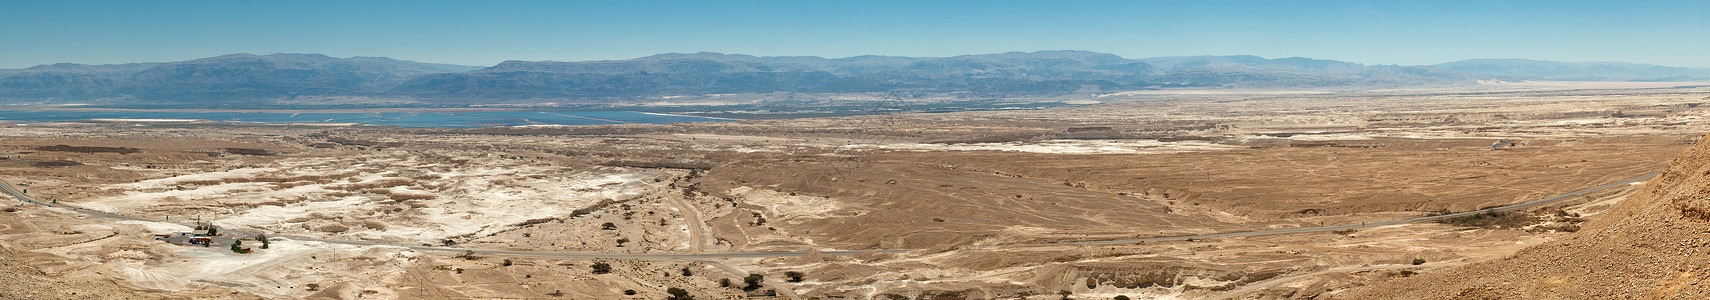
(1655,245)
(21,281)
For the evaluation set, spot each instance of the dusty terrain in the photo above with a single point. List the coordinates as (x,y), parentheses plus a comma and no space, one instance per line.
(987,202)
(1651,246)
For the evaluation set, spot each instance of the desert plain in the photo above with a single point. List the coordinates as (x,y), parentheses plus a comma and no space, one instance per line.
(1066,202)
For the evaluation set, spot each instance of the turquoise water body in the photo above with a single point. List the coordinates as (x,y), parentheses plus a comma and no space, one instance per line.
(400,119)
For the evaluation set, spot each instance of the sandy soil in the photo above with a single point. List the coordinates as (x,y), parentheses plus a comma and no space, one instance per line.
(986,199)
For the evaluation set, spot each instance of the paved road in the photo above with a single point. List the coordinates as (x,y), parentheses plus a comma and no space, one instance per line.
(9,189)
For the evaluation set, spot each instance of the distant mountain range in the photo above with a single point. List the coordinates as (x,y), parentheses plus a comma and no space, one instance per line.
(299,78)
(1526,69)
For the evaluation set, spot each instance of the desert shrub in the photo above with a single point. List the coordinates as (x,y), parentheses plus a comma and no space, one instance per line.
(753,281)
(679,294)
(374,224)
(249,151)
(537,221)
(1418,261)
(367,143)
(601,268)
(794,276)
(1121,297)
(56,163)
(724,282)
(468,255)
(667,164)
(411,196)
(1560,227)
(629,292)
(87,149)
(1490,219)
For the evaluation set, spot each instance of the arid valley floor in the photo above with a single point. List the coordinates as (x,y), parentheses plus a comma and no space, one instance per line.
(966,205)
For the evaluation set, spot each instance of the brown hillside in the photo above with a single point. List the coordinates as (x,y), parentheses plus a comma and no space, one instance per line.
(1655,245)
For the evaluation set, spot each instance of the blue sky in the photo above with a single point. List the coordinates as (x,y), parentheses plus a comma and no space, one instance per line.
(487,32)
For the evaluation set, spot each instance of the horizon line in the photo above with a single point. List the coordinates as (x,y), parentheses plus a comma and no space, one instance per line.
(823,57)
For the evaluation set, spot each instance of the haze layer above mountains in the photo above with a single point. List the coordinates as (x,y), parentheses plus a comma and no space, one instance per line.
(261,79)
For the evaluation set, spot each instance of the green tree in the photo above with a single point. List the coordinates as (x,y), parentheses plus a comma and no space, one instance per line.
(753,281)
(679,294)
(263,238)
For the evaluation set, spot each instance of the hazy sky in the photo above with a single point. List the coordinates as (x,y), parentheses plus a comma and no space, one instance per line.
(487,32)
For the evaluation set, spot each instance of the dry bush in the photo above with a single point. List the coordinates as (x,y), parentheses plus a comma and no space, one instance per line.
(1556,227)
(412,196)
(292,184)
(666,164)
(374,224)
(332,227)
(55,163)
(296,200)
(87,149)
(207,182)
(250,151)
(537,221)
(380,184)
(1492,219)
(365,143)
